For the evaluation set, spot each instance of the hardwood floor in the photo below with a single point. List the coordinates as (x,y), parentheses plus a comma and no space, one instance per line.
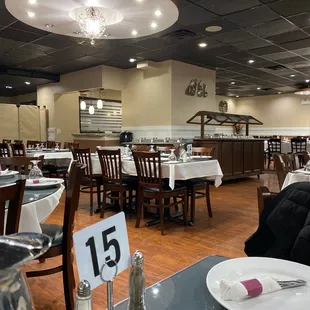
(235,218)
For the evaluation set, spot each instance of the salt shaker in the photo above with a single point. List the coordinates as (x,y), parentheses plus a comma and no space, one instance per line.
(137,283)
(83,297)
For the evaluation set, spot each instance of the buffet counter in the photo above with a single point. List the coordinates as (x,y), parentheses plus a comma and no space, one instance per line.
(92,140)
(238,157)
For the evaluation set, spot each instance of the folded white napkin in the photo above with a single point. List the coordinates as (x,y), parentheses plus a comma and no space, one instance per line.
(234,290)
(3,172)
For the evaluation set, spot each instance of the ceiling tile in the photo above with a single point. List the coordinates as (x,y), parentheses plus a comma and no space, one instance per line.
(24,27)
(280,55)
(18,35)
(224,7)
(290,7)
(288,37)
(301,20)
(272,49)
(192,15)
(253,16)
(296,44)
(6,18)
(252,44)
(55,41)
(235,36)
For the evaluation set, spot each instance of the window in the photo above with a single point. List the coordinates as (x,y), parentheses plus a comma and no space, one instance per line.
(109,118)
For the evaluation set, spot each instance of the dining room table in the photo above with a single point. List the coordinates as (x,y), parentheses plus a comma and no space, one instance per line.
(184,290)
(38,204)
(300,175)
(59,158)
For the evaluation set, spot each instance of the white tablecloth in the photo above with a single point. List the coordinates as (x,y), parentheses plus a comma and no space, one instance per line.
(300,176)
(60,159)
(37,212)
(285,147)
(183,171)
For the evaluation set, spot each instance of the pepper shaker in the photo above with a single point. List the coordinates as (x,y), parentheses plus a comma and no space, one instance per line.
(137,283)
(83,296)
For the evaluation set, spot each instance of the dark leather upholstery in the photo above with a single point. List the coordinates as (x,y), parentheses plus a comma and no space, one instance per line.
(55,232)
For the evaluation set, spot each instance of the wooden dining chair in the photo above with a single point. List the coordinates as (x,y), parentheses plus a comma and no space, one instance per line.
(151,188)
(52,144)
(264,196)
(11,197)
(90,181)
(113,179)
(284,164)
(70,145)
(4,150)
(298,146)
(18,141)
(165,149)
(7,141)
(306,157)
(194,186)
(61,237)
(21,164)
(18,149)
(140,148)
(31,144)
(274,147)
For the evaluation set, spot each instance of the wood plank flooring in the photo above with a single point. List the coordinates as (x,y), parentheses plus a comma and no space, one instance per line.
(235,218)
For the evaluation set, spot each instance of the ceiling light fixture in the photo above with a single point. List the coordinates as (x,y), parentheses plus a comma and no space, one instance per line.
(237,96)
(213,28)
(154,25)
(251,61)
(83,105)
(203,44)
(132,60)
(258,88)
(233,83)
(158,13)
(99,104)
(8,87)
(31,14)
(292,75)
(91,110)
(49,25)
(32,1)
(92,24)
(307,81)
(279,93)
(106,35)
(134,32)
(27,83)
(304,92)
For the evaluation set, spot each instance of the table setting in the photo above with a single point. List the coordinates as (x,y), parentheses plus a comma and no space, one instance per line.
(299,175)
(41,196)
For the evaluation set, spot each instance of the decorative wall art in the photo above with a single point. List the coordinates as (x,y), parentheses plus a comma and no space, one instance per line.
(196,88)
(223,106)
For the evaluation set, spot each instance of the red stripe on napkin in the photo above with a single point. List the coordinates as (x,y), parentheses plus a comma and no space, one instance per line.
(36,181)
(253,286)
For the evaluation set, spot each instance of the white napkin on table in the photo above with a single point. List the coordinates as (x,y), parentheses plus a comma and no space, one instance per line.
(235,290)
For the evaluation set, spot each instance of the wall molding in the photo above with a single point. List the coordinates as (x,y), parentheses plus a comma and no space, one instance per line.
(279,131)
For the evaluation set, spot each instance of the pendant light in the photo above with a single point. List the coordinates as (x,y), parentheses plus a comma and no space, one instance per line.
(83,105)
(99,104)
(91,110)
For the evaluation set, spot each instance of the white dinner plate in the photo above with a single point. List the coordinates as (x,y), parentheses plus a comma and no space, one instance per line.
(205,157)
(9,174)
(240,269)
(44,183)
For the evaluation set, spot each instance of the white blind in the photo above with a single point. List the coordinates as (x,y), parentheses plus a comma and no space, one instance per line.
(109,118)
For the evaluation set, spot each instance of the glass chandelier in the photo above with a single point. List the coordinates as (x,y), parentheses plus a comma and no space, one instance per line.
(92,24)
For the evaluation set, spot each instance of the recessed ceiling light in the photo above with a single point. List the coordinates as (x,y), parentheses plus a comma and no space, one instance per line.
(32,1)
(251,61)
(233,83)
(139,0)
(213,28)
(258,88)
(28,83)
(154,25)
(237,96)
(31,14)
(49,25)
(158,13)
(292,75)
(134,32)
(9,87)
(307,81)
(279,93)
(132,60)
(202,44)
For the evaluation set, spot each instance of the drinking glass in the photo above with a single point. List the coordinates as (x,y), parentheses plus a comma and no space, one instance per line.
(35,172)
(42,146)
(152,149)
(172,156)
(37,147)
(127,152)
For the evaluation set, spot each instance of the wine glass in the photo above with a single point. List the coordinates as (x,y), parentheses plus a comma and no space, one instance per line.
(35,172)
(172,156)
(152,149)
(56,146)
(37,147)
(42,146)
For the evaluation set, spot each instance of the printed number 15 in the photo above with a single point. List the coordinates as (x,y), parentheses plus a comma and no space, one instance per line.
(106,245)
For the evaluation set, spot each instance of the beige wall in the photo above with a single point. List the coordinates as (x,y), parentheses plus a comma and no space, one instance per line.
(232,103)
(146,98)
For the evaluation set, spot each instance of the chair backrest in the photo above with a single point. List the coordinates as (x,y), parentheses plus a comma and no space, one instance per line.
(32,144)
(111,165)
(11,196)
(284,164)
(141,148)
(165,149)
(83,156)
(7,141)
(70,145)
(306,156)
(298,145)
(18,149)
(4,150)
(148,166)
(203,151)
(18,141)
(274,146)
(21,164)
(52,144)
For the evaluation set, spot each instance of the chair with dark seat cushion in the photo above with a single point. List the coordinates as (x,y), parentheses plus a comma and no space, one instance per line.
(298,146)
(4,150)
(11,196)
(7,141)
(274,147)
(21,164)
(70,145)
(61,237)
(89,181)
(18,149)
(52,144)
(284,163)
(31,144)
(150,188)
(113,180)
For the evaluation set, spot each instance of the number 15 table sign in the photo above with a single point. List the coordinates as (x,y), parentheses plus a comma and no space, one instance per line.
(103,243)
